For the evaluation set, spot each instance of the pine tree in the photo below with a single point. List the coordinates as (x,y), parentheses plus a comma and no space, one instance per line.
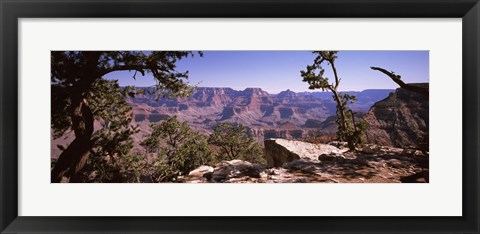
(348,129)
(76,86)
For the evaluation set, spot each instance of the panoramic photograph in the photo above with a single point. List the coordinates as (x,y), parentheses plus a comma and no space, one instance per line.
(240,116)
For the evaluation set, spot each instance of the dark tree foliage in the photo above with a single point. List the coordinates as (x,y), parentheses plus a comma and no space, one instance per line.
(177,149)
(348,129)
(79,97)
(112,143)
(235,143)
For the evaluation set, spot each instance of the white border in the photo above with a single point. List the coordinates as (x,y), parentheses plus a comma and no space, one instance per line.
(441,197)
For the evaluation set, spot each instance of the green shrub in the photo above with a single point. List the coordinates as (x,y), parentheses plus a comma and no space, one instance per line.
(234,143)
(177,149)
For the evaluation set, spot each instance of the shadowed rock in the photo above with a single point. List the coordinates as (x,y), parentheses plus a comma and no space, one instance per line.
(420,177)
(226,170)
(200,174)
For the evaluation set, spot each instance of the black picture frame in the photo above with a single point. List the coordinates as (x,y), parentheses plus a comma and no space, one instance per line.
(11,11)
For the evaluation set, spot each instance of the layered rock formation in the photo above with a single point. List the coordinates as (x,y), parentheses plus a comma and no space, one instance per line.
(286,115)
(251,107)
(400,120)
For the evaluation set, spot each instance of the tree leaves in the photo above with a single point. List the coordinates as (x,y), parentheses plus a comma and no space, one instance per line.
(235,143)
(77,84)
(69,70)
(177,149)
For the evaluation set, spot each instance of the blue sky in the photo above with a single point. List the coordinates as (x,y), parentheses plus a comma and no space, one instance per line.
(275,71)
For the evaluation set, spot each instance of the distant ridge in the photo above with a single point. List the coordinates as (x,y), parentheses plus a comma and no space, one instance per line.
(287,90)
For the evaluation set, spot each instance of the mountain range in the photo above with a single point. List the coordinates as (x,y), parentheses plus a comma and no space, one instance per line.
(395,117)
(286,114)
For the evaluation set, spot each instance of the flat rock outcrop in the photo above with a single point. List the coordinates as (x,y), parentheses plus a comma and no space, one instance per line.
(280,151)
(379,165)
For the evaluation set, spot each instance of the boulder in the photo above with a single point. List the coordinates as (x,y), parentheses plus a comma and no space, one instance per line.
(331,158)
(280,151)
(227,170)
(377,149)
(200,171)
(199,175)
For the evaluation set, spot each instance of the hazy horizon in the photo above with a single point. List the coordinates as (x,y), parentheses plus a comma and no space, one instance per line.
(276,71)
(307,91)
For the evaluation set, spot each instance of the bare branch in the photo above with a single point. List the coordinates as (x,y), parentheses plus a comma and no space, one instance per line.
(396,79)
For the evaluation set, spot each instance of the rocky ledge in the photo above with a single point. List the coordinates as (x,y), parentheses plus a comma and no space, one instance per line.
(303,162)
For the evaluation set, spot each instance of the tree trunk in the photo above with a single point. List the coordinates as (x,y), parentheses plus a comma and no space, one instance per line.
(353,120)
(340,108)
(76,152)
(343,119)
(72,160)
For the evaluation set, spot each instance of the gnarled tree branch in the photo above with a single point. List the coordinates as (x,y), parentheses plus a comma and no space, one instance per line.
(396,79)
(138,68)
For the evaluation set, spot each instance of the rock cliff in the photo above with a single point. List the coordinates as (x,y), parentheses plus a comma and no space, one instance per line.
(400,120)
